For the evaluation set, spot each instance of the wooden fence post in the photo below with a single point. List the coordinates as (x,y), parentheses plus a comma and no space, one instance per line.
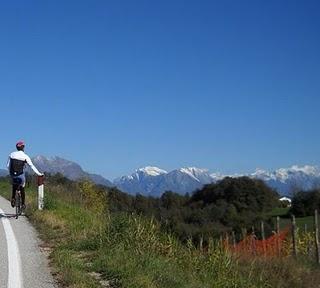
(221,242)
(244,237)
(263,239)
(227,240)
(253,242)
(278,236)
(233,240)
(294,236)
(316,232)
(244,233)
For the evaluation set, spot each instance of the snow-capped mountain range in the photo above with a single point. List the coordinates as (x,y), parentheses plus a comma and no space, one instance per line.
(289,180)
(153,181)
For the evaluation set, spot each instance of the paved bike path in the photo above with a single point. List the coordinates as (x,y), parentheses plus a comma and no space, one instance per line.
(22,265)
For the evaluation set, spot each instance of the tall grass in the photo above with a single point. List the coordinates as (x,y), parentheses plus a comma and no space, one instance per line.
(138,254)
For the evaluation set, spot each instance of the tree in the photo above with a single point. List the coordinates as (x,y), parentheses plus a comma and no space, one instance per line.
(304,203)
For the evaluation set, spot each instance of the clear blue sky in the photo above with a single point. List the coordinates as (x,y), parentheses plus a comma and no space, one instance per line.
(116,85)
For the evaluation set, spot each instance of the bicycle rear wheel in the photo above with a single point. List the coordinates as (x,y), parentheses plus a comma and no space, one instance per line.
(18,204)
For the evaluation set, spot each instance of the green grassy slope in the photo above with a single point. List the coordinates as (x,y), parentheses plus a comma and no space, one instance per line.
(303,223)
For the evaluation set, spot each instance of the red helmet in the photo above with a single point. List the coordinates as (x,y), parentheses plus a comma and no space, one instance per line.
(20,144)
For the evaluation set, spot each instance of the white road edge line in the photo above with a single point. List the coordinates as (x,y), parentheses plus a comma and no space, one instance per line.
(14,260)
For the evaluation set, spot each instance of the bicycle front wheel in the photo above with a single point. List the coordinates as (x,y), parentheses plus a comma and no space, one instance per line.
(18,205)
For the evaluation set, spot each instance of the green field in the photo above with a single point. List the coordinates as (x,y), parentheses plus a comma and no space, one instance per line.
(303,223)
(279,212)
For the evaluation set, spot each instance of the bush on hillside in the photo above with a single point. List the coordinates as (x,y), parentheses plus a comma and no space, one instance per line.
(304,203)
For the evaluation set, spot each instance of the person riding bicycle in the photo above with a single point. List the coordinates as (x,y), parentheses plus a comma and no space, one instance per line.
(16,165)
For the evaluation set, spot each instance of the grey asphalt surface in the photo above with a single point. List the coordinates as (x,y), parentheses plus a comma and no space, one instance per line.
(34,263)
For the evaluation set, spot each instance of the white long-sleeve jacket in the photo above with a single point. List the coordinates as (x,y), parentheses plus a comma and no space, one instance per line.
(20,155)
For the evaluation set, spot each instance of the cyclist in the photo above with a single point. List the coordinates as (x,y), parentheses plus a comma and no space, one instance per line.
(16,164)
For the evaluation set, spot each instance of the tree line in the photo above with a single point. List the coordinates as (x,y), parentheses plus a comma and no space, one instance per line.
(228,205)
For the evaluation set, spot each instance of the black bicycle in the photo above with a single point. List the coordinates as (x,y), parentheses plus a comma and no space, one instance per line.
(18,198)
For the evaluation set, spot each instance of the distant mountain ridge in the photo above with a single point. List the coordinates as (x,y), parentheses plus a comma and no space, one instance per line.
(67,168)
(3,172)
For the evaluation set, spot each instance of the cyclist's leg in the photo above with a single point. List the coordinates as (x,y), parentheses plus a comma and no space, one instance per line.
(15,184)
(13,195)
(23,194)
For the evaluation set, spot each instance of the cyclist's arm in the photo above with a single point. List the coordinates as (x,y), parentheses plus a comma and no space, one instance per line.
(29,162)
